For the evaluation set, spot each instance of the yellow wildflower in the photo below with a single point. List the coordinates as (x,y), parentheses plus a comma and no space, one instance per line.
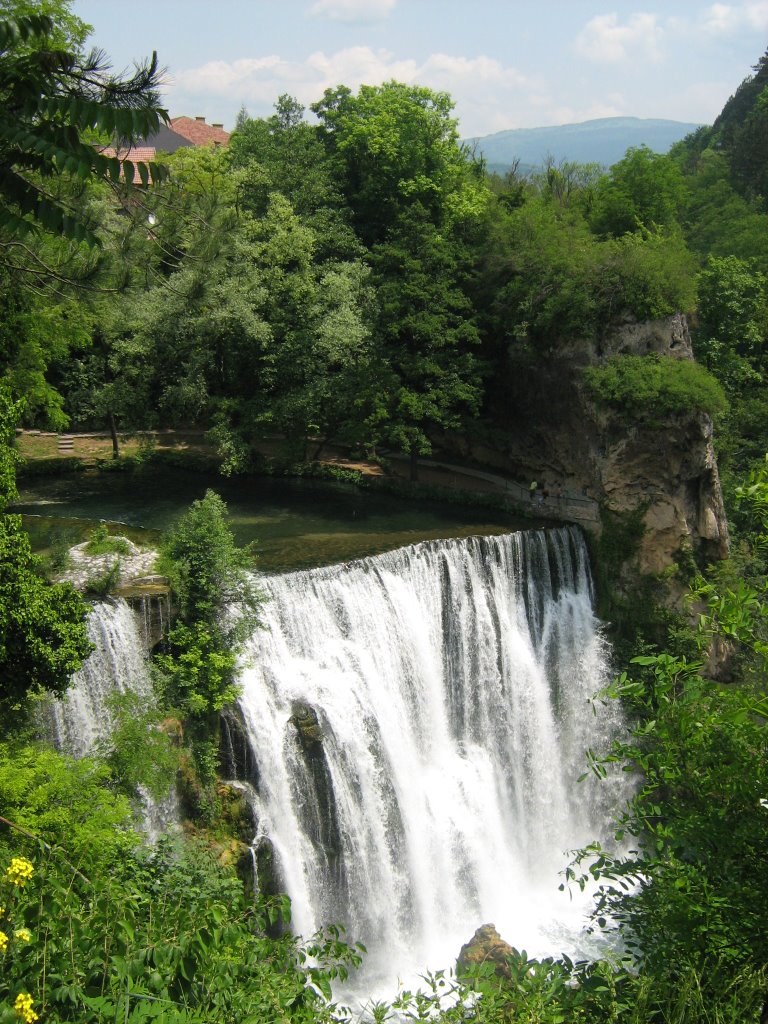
(23,1008)
(23,934)
(3,942)
(19,871)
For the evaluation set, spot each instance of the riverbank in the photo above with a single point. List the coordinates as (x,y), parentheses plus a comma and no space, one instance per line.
(46,453)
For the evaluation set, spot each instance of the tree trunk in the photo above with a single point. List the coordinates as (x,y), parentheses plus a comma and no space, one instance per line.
(414,466)
(113,432)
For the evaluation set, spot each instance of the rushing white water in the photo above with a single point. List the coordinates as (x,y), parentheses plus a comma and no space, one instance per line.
(117,664)
(451,684)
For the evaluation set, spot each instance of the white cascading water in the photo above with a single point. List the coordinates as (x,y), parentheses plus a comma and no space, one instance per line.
(451,683)
(117,664)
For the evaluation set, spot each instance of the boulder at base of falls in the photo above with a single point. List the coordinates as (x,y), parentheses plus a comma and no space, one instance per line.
(485,946)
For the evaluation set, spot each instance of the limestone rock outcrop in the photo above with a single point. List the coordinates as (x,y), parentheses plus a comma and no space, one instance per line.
(663,469)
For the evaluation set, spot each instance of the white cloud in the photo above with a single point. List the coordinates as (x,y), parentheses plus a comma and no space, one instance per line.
(606,40)
(757,15)
(728,19)
(490,95)
(353,10)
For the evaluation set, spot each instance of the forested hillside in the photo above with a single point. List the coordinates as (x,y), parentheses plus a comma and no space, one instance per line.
(357,277)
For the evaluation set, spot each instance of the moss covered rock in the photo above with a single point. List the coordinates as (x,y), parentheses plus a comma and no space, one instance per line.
(485,946)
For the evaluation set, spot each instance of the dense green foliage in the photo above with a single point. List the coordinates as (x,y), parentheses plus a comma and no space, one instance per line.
(360,279)
(94,926)
(653,387)
(51,98)
(210,578)
(42,625)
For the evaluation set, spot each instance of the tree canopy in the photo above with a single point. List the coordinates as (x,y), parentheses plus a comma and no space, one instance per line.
(51,100)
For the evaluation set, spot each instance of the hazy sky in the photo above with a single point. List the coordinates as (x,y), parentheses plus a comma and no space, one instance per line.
(507,63)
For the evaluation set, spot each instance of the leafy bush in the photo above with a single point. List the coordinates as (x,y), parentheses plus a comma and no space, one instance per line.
(654,387)
(101,543)
(64,800)
(649,274)
(57,558)
(163,935)
(102,584)
(51,467)
(138,750)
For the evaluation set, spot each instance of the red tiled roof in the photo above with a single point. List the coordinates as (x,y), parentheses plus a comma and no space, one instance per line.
(198,132)
(141,153)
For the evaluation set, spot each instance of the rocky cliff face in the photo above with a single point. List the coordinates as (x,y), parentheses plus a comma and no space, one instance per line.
(664,470)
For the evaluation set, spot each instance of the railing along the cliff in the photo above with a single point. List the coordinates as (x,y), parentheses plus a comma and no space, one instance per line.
(565,505)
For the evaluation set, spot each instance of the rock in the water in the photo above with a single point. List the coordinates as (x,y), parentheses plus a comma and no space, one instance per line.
(485,946)
(308,727)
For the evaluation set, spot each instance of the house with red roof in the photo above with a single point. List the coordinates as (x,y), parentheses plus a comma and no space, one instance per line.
(198,132)
(183,132)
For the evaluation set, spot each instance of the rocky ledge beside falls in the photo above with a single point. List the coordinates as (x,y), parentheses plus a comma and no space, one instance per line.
(132,562)
(127,573)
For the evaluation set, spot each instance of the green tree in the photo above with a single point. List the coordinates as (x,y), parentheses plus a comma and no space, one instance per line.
(417,203)
(545,277)
(283,154)
(396,146)
(37,338)
(740,130)
(429,377)
(213,583)
(68,32)
(207,570)
(43,638)
(219,600)
(644,189)
(732,316)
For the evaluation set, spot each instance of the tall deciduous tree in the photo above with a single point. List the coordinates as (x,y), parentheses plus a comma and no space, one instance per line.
(644,190)
(284,154)
(416,200)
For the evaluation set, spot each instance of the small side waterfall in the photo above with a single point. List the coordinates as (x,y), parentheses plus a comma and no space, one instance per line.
(117,664)
(416,724)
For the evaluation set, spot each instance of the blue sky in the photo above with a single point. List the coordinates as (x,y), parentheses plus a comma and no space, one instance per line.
(507,64)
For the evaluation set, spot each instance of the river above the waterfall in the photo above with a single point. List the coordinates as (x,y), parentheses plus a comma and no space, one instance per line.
(296,523)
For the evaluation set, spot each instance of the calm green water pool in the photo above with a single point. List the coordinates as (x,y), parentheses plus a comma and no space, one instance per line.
(296,523)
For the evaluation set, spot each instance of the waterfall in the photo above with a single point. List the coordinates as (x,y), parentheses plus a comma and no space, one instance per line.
(416,725)
(117,664)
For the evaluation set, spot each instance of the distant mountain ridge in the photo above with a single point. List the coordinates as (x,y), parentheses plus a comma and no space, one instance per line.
(603,140)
